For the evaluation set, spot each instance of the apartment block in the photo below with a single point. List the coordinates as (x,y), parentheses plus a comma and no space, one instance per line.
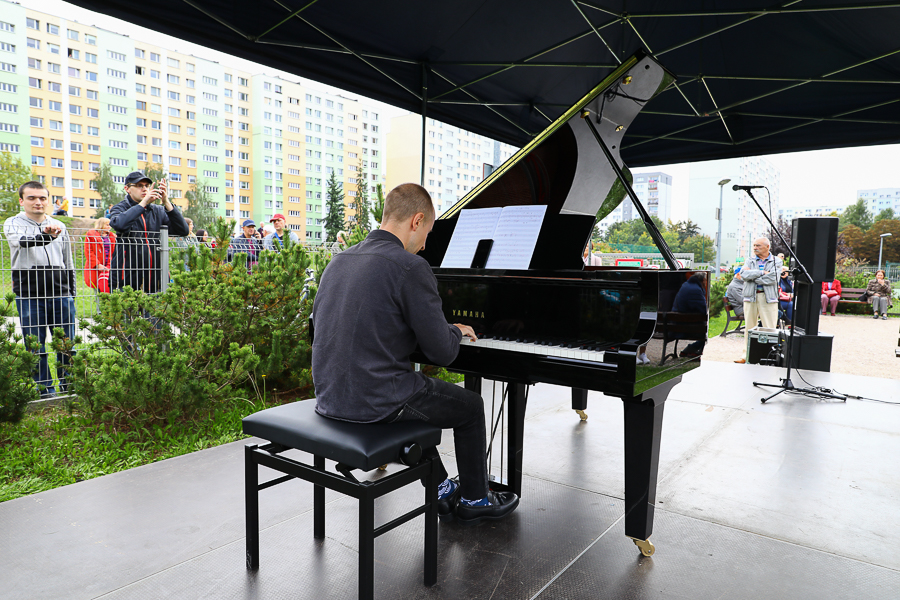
(654,190)
(880,199)
(456,160)
(74,96)
(742,221)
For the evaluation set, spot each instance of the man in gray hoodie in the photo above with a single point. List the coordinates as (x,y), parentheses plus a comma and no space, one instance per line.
(43,277)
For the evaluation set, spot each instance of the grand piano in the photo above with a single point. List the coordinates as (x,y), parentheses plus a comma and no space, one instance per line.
(560,322)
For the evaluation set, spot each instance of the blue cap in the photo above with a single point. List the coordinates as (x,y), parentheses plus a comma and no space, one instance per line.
(737,270)
(249,223)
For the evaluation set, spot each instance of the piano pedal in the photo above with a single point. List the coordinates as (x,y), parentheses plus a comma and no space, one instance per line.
(382,468)
(581,414)
(646,546)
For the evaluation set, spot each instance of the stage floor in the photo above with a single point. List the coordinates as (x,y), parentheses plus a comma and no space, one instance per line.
(795,499)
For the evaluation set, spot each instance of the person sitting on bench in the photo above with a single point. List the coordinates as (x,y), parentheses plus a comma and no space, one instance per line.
(376,302)
(734,294)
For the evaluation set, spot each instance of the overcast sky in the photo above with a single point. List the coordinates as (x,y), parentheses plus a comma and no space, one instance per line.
(821,177)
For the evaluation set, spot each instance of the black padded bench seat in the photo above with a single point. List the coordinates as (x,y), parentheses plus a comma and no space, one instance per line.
(353,446)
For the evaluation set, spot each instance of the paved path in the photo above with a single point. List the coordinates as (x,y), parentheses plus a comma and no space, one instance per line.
(862,346)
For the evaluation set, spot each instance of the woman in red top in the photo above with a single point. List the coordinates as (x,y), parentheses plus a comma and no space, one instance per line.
(831,293)
(98,250)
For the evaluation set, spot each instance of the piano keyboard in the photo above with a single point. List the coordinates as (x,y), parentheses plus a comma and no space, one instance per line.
(577,352)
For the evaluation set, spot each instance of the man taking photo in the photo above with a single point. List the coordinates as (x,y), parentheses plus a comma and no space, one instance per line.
(138,219)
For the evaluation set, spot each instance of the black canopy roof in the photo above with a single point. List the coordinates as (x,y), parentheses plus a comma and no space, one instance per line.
(754,77)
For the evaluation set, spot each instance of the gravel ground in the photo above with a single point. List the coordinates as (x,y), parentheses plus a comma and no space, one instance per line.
(862,346)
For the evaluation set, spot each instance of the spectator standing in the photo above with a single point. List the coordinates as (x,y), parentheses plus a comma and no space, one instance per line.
(786,294)
(138,220)
(248,242)
(760,275)
(98,250)
(879,290)
(43,277)
(831,294)
(269,243)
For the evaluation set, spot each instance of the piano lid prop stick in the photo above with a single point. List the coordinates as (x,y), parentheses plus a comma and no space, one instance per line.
(648,222)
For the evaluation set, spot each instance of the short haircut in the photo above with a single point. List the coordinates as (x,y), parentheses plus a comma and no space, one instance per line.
(880,271)
(31,184)
(406,200)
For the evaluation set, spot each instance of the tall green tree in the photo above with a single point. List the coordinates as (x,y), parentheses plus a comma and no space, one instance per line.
(199,206)
(155,171)
(685,229)
(378,208)
(13,173)
(363,209)
(856,214)
(334,207)
(110,192)
(886,214)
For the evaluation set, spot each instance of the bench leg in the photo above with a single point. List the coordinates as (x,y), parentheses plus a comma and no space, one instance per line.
(367,546)
(251,506)
(431,523)
(319,503)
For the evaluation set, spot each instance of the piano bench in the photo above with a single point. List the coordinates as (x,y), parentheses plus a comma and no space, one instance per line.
(363,446)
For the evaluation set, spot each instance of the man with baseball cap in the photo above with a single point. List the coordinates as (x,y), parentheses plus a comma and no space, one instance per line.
(138,219)
(248,242)
(269,243)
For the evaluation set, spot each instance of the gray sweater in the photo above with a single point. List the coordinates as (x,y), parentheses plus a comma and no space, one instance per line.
(42,266)
(375,304)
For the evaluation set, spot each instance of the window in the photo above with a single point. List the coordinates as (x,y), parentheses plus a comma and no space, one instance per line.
(210,81)
(175,112)
(74,109)
(32,23)
(154,74)
(76,147)
(154,57)
(118,144)
(92,95)
(90,39)
(174,79)
(93,149)
(117,109)
(94,131)
(58,181)
(141,105)
(90,76)
(54,87)
(189,67)
(34,82)
(75,128)
(174,96)
(73,72)
(93,113)
(52,29)
(53,105)
(53,68)
(115,73)
(116,91)
(173,62)
(242,81)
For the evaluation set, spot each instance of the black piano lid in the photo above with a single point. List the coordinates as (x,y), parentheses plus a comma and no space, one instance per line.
(564,168)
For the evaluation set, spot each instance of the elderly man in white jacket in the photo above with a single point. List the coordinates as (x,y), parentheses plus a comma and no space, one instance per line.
(760,275)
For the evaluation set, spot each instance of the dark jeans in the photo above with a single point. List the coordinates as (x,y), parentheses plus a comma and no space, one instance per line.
(787,307)
(450,406)
(36,315)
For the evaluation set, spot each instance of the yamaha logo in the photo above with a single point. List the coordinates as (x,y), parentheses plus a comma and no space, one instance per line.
(475,314)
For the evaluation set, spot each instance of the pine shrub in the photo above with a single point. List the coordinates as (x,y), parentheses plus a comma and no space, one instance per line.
(17,364)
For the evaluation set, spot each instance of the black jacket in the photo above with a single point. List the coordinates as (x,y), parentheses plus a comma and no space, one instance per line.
(135,259)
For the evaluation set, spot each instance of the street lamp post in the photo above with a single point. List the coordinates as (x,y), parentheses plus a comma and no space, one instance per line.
(719,234)
(881,247)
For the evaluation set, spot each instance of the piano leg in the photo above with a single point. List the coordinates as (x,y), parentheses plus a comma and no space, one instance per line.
(643,426)
(515,407)
(579,402)
(472,383)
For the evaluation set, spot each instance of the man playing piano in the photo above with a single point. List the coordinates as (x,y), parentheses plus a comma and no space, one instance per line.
(376,302)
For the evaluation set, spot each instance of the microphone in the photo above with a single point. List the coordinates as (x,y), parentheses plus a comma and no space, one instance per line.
(746,187)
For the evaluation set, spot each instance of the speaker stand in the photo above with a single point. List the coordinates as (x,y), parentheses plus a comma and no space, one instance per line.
(786,384)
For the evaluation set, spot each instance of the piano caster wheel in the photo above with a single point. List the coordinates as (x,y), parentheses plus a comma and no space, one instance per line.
(382,468)
(581,414)
(646,546)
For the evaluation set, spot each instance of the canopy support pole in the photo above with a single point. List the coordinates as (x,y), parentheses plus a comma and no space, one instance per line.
(424,119)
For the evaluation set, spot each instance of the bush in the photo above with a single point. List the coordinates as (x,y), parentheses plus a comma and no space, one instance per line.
(17,364)
(717,294)
(213,334)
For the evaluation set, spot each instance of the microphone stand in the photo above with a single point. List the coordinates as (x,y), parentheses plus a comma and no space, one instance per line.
(786,383)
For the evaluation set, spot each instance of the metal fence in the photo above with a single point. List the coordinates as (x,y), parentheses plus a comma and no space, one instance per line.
(57,279)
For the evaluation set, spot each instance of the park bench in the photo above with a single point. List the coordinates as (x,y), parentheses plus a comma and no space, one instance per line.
(851,296)
(730,318)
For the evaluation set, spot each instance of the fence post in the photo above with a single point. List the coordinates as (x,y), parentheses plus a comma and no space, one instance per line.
(163,258)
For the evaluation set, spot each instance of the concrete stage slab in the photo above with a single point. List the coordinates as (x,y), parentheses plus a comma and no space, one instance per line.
(793,498)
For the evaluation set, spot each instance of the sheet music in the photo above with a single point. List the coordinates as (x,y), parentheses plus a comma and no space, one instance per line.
(474,224)
(515,237)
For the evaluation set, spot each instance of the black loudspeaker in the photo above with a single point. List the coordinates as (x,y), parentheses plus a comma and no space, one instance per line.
(812,352)
(814,241)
